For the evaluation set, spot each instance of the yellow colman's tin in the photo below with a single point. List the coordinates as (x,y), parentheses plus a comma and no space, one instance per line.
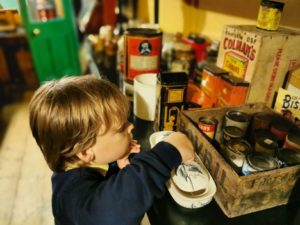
(269,15)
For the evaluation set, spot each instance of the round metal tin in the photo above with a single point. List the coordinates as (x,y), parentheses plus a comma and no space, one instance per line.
(257,162)
(208,126)
(266,145)
(237,119)
(236,151)
(288,157)
(232,132)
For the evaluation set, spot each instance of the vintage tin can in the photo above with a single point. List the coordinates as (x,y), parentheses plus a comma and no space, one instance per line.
(172,94)
(261,120)
(266,145)
(262,133)
(257,162)
(142,52)
(288,157)
(269,15)
(208,126)
(237,119)
(292,140)
(280,129)
(235,151)
(231,132)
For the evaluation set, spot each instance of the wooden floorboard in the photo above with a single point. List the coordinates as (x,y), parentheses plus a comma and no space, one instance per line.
(25,188)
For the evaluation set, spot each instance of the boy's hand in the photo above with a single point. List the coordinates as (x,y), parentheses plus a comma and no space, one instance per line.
(134,147)
(183,144)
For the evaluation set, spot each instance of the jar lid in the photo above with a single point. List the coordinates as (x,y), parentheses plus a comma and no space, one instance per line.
(233,131)
(260,133)
(289,156)
(148,32)
(238,116)
(267,143)
(260,161)
(173,78)
(239,146)
(272,4)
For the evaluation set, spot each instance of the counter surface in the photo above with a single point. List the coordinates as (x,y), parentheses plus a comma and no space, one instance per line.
(166,212)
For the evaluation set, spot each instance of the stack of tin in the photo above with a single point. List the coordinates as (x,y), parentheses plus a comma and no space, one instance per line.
(257,142)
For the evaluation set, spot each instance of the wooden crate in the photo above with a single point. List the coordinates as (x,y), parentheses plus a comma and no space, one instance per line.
(238,195)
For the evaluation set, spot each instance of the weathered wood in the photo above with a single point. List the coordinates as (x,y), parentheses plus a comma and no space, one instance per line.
(238,195)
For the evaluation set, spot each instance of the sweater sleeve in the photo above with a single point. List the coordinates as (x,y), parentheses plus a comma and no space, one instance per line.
(126,196)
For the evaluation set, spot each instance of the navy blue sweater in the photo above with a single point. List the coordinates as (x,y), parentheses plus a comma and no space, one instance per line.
(83,196)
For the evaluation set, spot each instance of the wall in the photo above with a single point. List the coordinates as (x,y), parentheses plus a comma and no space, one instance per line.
(209,17)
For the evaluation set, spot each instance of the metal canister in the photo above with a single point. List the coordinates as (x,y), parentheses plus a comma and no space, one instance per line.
(292,140)
(261,120)
(269,15)
(280,129)
(231,132)
(208,126)
(266,145)
(288,157)
(257,162)
(237,119)
(142,52)
(262,133)
(236,151)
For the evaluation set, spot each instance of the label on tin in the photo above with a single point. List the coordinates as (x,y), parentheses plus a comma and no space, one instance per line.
(268,18)
(235,64)
(175,95)
(142,55)
(208,127)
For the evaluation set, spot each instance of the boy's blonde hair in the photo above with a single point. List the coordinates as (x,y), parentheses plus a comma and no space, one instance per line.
(66,116)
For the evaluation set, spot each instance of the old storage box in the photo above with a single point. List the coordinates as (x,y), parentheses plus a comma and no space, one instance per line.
(238,195)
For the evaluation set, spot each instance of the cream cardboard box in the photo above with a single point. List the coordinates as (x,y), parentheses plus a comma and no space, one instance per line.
(260,57)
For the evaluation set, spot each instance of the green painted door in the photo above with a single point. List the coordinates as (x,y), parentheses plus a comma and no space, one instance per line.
(52,36)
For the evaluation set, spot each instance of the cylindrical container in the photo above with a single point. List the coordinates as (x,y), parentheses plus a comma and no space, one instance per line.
(288,157)
(208,126)
(257,162)
(145,96)
(280,130)
(142,52)
(262,133)
(230,133)
(269,15)
(266,146)
(261,120)
(292,140)
(237,119)
(236,151)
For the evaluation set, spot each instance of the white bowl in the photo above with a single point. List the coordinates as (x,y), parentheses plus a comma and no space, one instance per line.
(158,136)
(191,186)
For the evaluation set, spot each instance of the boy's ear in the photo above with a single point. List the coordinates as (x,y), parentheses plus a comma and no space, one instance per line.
(86,156)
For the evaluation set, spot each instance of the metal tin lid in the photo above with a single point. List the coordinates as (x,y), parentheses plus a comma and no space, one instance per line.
(148,32)
(260,161)
(267,143)
(260,133)
(238,146)
(233,131)
(289,156)
(272,4)
(265,116)
(238,116)
(173,78)
(215,70)
(235,81)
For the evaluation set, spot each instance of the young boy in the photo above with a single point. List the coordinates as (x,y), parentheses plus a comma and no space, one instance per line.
(80,124)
